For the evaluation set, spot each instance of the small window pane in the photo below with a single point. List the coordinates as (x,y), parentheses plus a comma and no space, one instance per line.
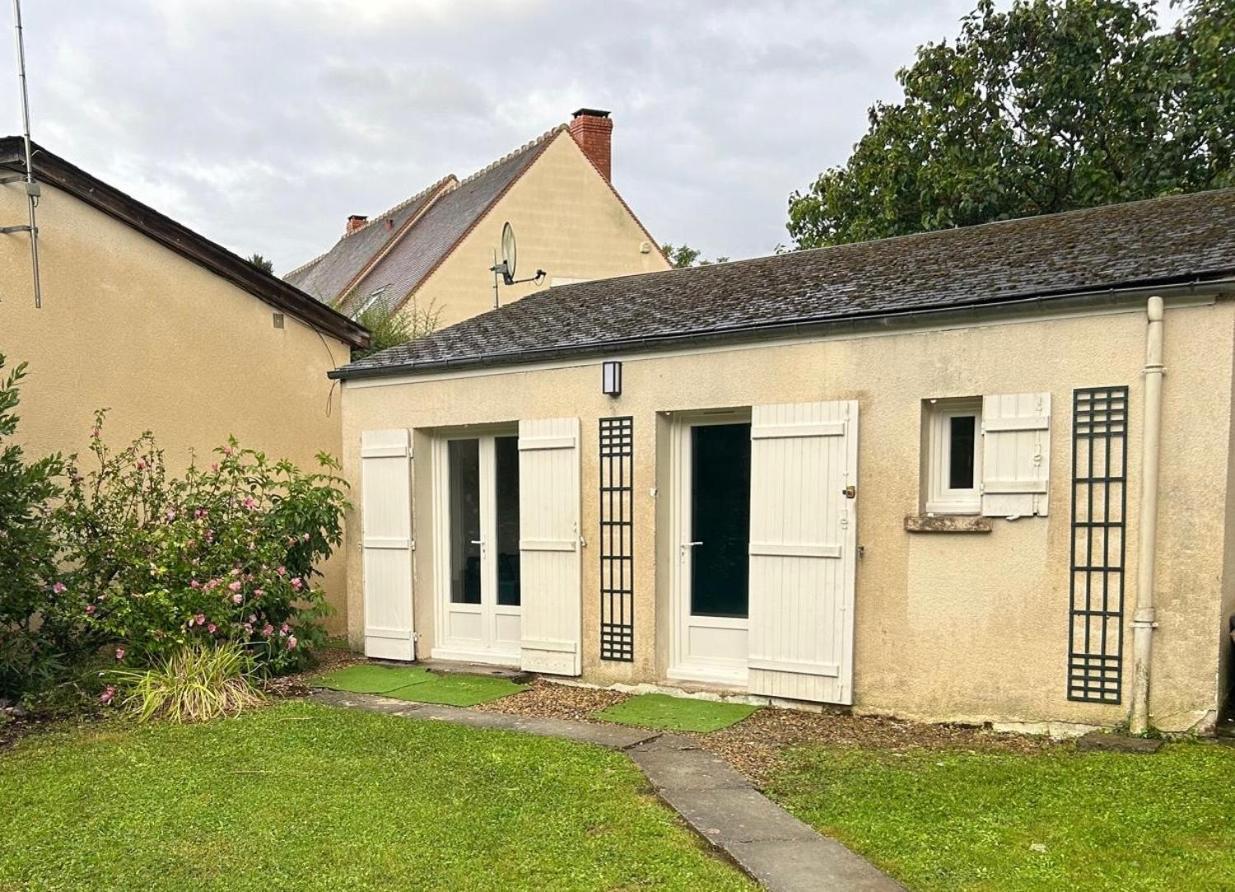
(507,491)
(464,476)
(960,451)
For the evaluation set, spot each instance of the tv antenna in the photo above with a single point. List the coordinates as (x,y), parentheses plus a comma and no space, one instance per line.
(504,271)
(32,188)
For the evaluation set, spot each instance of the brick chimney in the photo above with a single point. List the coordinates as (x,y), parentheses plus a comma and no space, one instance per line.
(593,131)
(354,222)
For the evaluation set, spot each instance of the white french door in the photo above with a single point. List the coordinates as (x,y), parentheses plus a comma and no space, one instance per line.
(711,504)
(477,549)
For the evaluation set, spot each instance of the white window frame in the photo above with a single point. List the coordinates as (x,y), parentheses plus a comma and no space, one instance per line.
(940,498)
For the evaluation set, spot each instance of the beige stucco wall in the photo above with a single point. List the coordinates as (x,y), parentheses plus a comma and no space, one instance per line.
(948,627)
(567,222)
(164,344)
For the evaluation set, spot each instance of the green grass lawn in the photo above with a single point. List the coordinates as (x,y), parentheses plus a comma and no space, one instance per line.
(303,796)
(1002,821)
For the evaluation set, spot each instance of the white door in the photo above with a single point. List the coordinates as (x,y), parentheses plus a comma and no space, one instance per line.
(711,507)
(477,549)
(549,547)
(803,544)
(386,540)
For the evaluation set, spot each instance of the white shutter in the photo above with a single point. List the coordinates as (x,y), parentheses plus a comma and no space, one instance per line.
(803,536)
(386,528)
(549,566)
(1016,450)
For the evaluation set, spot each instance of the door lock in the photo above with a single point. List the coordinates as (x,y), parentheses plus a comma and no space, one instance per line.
(850,492)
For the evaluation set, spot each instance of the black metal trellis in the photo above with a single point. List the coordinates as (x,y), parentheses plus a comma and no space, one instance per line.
(1099,506)
(617,546)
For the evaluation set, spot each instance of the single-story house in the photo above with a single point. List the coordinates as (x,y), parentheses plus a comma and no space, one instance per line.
(434,252)
(169,331)
(940,476)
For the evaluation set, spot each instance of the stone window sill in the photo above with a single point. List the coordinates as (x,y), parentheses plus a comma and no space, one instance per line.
(947,523)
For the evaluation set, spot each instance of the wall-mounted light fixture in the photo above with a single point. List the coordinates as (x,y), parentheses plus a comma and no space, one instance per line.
(611,378)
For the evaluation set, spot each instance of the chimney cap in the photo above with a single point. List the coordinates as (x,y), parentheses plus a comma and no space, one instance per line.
(357,217)
(590,113)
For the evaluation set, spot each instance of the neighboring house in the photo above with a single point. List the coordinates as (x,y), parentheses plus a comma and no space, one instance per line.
(905,475)
(435,251)
(169,331)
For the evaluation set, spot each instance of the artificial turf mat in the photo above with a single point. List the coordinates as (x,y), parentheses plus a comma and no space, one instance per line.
(419,685)
(373,679)
(675,713)
(457,690)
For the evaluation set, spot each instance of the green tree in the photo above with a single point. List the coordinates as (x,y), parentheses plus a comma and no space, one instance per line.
(390,326)
(683,256)
(262,263)
(1048,106)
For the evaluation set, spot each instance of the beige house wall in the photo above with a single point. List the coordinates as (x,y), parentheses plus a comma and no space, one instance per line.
(948,627)
(568,222)
(161,342)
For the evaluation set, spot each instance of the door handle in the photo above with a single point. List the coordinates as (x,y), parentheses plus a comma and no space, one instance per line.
(693,544)
(478,541)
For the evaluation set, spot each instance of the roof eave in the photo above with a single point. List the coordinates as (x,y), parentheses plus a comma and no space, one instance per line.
(1220,281)
(55,171)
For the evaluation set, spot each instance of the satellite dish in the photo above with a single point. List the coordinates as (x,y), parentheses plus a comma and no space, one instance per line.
(508,253)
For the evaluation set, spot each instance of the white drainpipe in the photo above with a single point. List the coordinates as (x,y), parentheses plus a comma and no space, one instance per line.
(1143,623)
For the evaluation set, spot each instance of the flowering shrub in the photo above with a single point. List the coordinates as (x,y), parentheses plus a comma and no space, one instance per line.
(225,553)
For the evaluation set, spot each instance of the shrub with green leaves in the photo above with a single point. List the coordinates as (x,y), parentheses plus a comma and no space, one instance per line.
(224,553)
(29,647)
(202,680)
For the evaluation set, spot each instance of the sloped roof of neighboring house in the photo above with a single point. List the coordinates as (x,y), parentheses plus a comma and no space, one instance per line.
(427,228)
(53,170)
(332,273)
(1174,240)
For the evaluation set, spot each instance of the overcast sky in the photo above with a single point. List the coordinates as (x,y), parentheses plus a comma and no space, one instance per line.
(263,123)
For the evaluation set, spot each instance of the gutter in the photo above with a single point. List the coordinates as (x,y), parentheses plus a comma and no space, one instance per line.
(1223,285)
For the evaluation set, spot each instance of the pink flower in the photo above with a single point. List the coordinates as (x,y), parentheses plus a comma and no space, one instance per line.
(109,694)
(59,588)
(214,467)
(95,433)
(212,628)
(282,571)
(235,571)
(297,583)
(199,513)
(89,610)
(250,503)
(199,619)
(227,450)
(291,643)
(285,628)
(237,599)
(141,464)
(234,586)
(171,514)
(258,592)
(193,583)
(248,627)
(119,653)
(252,617)
(267,630)
(304,537)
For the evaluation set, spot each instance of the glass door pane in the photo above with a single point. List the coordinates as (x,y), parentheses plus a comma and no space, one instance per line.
(720,520)
(464,481)
(506,470)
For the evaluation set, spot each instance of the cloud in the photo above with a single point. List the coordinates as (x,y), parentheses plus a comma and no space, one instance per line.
(263,123)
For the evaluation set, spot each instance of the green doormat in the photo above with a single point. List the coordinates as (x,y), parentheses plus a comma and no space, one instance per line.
(419,685)
(675,713)
(457,690)
(372,679)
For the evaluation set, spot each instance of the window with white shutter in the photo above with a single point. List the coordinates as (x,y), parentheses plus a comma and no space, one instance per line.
(1016,449)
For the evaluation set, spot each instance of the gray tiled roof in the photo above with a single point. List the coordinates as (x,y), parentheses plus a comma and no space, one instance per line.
(1161,241)
(327,276)
(429,240)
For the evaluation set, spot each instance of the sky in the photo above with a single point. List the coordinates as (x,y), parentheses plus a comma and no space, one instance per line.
(263,123)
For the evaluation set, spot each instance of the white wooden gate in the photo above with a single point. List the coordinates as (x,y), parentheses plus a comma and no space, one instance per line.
(550,570)
(803,544)
(386,529)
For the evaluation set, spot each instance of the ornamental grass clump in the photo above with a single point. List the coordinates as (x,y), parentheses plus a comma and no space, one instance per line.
(198,682)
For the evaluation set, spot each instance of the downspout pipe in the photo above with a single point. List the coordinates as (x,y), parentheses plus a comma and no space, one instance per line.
(1144,620)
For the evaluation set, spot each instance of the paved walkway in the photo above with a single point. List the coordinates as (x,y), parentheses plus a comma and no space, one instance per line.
(767,842)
